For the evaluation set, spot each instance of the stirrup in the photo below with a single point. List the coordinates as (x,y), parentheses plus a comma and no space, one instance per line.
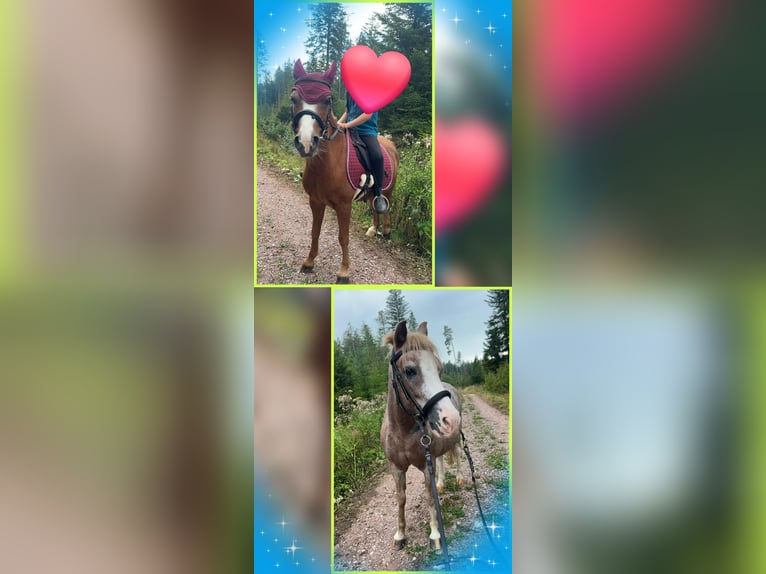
(376,204)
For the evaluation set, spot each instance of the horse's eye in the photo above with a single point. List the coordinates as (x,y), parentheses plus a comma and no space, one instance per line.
(410,371)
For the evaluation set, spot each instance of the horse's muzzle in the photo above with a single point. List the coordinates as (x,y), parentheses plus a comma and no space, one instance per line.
(311,152)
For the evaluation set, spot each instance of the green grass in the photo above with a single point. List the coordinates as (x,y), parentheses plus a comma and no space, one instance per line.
(497,460)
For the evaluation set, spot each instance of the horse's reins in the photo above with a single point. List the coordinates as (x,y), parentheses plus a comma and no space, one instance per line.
(420,417)
(325,124)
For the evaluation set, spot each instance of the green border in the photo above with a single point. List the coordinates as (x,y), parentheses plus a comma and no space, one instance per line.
(10,138)
(433,154)
(332,403)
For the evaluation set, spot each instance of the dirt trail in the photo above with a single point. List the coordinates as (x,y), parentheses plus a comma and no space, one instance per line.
(364,527)
(284,238)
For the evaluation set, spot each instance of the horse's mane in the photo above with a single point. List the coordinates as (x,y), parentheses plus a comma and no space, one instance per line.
(415,342)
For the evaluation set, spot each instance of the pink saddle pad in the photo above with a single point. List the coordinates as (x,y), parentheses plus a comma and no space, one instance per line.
(354,169)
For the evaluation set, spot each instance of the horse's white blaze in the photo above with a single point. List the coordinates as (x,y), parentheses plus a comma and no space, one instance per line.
(306,127)
(432,384)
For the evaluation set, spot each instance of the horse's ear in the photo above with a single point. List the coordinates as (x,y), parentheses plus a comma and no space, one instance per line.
(329,75)
(423,328)
(400,335)
(298,70)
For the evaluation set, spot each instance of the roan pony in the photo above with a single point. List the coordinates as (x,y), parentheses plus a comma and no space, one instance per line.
(421,368)
(324,178)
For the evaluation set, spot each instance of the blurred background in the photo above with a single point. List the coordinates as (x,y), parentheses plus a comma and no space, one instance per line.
(473,100)
(638,250)
(125,286)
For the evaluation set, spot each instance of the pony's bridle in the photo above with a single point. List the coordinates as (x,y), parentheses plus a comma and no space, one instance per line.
(421,413)
(324,125)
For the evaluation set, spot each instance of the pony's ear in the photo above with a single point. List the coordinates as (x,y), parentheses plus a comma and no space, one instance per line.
(423,328)
(329,75)
(298,70)
(400,335)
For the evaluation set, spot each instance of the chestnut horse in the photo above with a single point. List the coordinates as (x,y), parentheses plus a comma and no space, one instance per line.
(420,370)
(324,178)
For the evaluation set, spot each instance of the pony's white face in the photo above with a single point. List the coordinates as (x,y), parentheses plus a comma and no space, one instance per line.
(421,369)
(422,373)
(307,129)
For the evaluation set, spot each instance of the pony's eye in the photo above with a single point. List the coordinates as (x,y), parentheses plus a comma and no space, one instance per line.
(410,371)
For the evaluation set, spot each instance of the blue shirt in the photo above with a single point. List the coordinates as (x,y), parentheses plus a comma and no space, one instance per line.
(354,111)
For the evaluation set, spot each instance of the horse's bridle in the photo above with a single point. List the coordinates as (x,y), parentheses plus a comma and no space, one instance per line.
(421,413)
(324,125)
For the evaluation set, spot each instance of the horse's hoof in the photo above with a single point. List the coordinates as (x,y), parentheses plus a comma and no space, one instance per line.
(439,488)
(387,236)
(460,482)
(307,268)
(399,544)
(434,544)
(341,280)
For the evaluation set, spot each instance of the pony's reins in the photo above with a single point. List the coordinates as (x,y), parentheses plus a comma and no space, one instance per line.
(420,417)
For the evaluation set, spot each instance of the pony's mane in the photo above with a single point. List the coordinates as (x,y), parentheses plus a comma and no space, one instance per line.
(415,342)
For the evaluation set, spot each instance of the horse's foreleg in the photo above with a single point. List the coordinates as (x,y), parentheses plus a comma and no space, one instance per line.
(344,219)
(317,213)
(434,537)
(400,480)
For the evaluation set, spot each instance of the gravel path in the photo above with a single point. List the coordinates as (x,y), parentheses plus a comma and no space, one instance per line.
(284,238)
(364,527)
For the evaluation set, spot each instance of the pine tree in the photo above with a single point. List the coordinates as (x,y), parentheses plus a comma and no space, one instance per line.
(448,340)
(328,36)
(396,308)
(496,343)
(412,323)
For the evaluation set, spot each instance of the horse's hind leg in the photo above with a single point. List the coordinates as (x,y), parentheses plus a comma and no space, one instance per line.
(400,480)
(386,226)
(317,216)
(440,473)
(371,231)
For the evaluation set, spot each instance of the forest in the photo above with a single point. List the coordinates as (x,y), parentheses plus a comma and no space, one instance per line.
(360,360)
(404,28)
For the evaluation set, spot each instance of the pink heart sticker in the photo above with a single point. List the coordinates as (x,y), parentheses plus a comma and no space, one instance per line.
(470,159)
(593,54)
(374,81)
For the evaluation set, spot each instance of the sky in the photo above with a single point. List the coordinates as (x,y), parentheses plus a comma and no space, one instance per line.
(465,312)
(282,29)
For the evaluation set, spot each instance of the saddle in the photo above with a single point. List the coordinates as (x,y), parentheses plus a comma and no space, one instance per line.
(358,166)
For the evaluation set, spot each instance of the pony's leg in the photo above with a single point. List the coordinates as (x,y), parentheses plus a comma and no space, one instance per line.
(440,473)
(386,225)
(317,213)
(375,219)
(344,219)
(460,479)
(400,479)
(434,539)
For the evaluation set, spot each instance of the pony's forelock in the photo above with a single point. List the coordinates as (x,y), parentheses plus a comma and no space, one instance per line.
(415,342)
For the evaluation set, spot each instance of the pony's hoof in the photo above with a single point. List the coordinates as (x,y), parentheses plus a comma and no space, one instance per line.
(307,268)
(439,488)
(341,280)
(387,236)
(399,544)
(434,544)
(371,231)
(460,481)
